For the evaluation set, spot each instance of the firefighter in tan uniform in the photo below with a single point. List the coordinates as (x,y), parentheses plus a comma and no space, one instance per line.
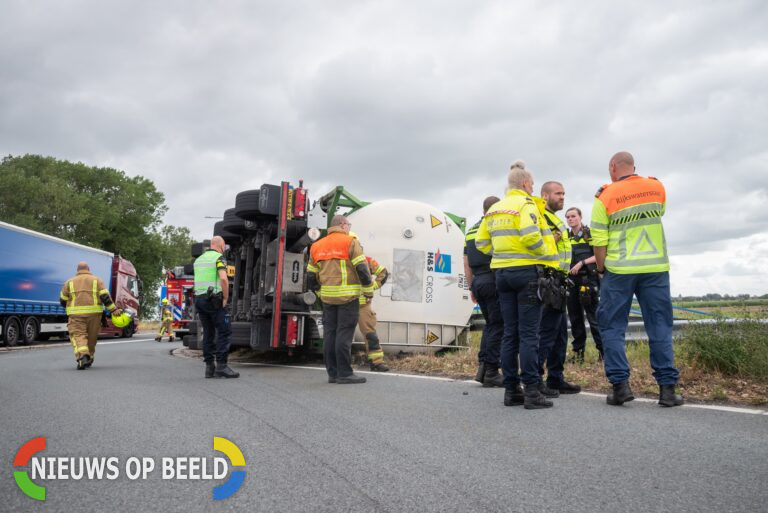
(367,320)
(85,298)
(338,271)
(167,321)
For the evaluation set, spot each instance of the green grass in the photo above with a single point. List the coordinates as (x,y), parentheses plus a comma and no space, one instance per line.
(738,348)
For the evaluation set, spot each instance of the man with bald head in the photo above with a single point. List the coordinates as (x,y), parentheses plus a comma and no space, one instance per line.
(631,254)
(85,297)
(211,298)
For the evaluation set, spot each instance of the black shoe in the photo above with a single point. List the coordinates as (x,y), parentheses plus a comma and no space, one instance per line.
(158,339)
(668,397)
(514,397)
(492,378)
(352,379)
(621,394)
(379,367)
(551,393)
(83,362)
(568,388)
(210,370)
(534,400)
(223,371)
(331,379)
(480,372)
(170,339)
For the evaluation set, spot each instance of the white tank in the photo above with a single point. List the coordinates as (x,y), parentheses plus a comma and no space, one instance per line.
(425,304)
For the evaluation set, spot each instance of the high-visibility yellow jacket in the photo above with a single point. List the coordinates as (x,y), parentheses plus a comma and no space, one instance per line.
(564,244)
(626,217)
(515,233)
(334,259)
(85,294)
(167,313)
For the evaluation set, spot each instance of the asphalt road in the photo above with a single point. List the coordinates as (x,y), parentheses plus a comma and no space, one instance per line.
(393,444)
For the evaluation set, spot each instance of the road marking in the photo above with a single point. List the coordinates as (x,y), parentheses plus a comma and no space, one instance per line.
(730,409)
(45,345)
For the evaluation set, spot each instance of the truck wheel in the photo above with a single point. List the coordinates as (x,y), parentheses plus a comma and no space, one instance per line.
(128,331)
(197,249)
(229,237)
(189,269)
(247,206)
(12,331)
(231,222)
(30,330)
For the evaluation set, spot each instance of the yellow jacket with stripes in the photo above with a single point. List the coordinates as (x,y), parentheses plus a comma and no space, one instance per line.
(515,233)
(85,294)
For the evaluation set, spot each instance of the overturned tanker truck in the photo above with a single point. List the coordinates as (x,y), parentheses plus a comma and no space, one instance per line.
(424,306)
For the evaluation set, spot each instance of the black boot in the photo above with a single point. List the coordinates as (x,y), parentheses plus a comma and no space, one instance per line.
(379,367)
(534,400)
(352,379)
(548,392)
(621,394)
(83,362)
(210,369)
(568,388)
(480,372)
(492,378)
(223,371)
(668,397)
(514,397)
(170,339)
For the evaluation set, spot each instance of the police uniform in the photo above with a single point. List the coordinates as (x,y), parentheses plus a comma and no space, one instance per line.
(583,297)
(338,270)
(85,298)
(213,315)
(367,320)
(626,217)
(483,287)
(516,236)
(166,326)
(553,328)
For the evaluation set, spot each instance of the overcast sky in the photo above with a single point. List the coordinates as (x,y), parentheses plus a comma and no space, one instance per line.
(429,100)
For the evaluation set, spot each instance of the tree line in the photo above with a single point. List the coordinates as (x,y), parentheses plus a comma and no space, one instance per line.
(100,207)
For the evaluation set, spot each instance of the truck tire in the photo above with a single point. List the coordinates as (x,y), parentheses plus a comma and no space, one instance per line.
(229,237)
(12,331)
(30,330)
(197,249)
(247,206)
(232,223)
(189,269)
(128,331)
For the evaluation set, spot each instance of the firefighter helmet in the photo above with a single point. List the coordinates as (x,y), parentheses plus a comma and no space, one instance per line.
(165,300)
(122,320)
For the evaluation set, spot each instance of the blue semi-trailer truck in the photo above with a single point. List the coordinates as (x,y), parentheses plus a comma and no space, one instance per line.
(33,268)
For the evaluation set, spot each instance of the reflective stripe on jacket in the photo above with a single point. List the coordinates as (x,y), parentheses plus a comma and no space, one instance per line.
(333,258)
(379,274)
(626,217)
(207,267)
(167,313)
(515,233)
(564,244)
(83,295)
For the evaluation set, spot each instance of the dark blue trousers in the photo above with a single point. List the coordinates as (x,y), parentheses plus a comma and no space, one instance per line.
(653,294)
(553,343)
(520,308)
(484,289)
(216,325)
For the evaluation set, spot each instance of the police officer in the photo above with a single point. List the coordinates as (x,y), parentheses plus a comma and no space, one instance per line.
(85,297)
(211,298)
(482,284)
(583,296)
(513,233)
(338,270)
(631,251)
(166,319)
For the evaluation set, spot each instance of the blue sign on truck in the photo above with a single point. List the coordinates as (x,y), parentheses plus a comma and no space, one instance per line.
(34,267)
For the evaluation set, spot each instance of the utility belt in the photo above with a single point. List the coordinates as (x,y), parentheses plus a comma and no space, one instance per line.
(216,298)
(553,287)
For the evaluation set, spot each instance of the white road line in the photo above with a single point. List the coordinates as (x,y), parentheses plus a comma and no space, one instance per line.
(45,345)
(730,409)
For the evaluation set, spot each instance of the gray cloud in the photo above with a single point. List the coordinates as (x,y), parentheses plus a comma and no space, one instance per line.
(427,101)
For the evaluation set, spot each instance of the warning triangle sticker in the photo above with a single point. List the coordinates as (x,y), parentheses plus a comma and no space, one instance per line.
(435,221)
(644,246)
(431,337)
